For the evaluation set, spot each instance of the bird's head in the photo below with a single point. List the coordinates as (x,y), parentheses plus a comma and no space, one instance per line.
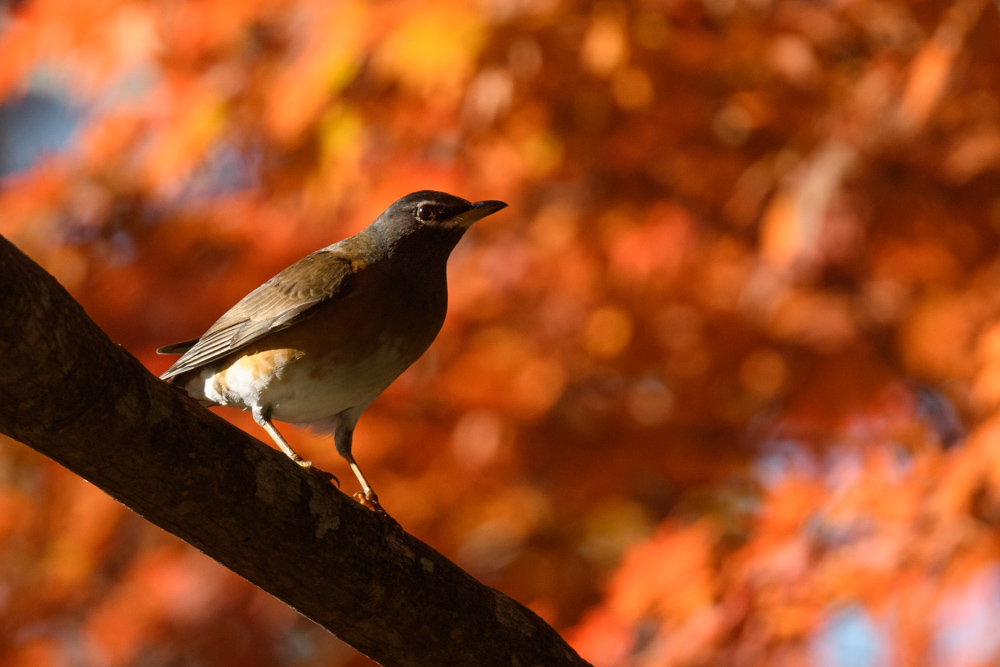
(429,218)
(439,209)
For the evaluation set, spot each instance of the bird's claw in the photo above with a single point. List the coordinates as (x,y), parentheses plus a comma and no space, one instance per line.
(324,475)
(370,501)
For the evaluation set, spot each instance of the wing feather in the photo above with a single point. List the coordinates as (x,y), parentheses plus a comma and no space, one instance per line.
(280,302)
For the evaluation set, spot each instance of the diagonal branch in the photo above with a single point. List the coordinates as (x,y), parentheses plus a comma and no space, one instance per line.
(67,391)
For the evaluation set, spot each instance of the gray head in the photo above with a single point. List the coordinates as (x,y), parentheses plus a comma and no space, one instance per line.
(427,224)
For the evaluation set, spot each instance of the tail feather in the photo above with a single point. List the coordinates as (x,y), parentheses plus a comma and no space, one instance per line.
(178,348)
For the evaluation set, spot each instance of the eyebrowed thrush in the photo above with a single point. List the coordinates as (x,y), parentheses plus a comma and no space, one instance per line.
(317,343)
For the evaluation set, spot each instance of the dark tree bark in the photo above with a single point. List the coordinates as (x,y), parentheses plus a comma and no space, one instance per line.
(67,391)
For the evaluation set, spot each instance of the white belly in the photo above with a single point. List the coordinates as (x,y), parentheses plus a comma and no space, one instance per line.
(297,391)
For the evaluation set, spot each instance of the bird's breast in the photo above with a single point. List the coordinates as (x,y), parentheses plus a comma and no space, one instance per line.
(340,357)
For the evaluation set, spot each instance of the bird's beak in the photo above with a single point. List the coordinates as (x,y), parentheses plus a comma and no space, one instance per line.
(479,210)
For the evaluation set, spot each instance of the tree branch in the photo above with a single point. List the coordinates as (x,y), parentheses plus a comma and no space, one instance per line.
(67,391)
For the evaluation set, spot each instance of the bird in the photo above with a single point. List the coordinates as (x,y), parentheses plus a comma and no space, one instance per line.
(318,342)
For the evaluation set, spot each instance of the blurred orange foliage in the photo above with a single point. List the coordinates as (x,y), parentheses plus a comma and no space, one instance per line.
(720,387)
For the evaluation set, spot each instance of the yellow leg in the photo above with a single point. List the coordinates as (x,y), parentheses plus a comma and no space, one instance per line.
(368,499)
(265,421)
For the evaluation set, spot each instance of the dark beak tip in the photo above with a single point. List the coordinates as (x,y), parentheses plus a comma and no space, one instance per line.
(480,210)
(491,205)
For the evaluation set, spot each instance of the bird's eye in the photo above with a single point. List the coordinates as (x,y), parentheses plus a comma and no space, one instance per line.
(426,213)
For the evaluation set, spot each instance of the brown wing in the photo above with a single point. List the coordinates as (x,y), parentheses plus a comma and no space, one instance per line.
(275,305)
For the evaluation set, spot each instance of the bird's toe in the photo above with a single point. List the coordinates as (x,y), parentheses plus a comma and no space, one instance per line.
(370,501)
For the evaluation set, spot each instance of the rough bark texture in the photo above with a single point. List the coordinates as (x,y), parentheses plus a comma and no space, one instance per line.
(67,391)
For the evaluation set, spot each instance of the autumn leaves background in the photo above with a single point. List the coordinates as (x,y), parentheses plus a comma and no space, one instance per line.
(720,388)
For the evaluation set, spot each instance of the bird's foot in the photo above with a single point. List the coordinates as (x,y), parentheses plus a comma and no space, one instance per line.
(325,476)
(389,525)
(369,500)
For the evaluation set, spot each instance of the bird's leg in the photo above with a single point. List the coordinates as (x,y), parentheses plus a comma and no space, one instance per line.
(263,417)
(343,438)
(368,498)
